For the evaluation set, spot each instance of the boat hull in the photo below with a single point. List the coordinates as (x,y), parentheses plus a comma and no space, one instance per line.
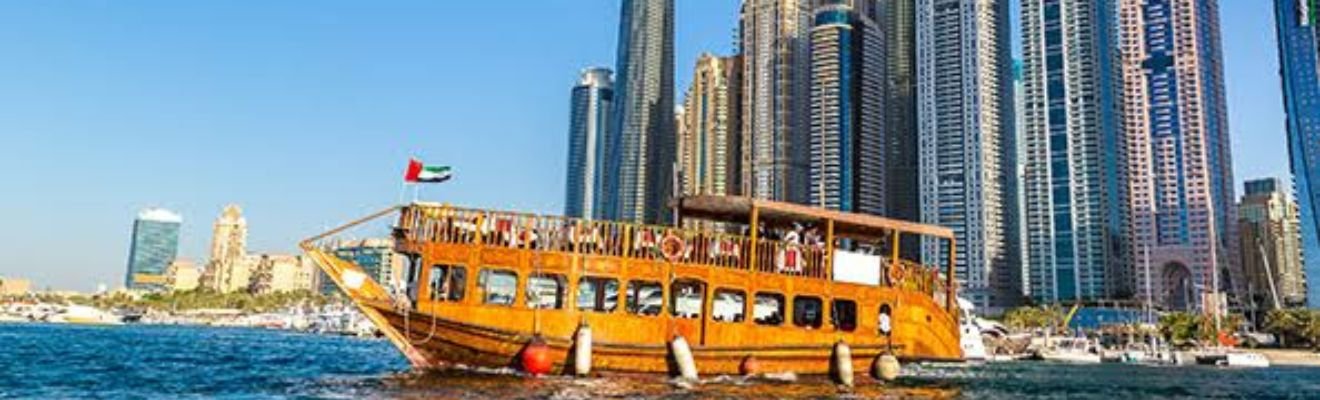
(443,343)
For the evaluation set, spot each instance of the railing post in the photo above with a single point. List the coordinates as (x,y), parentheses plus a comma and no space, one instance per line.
(755,226)
(627,240)
(481,224)
(893,257)
(576,236)
(948,285)
(829,250)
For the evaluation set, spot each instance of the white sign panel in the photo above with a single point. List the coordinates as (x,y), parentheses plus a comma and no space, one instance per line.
(857,268)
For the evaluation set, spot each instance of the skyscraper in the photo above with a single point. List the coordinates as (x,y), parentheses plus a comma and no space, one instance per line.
(1271,246)
(155,245)
(711,145)
(1180,181)
(591,104)
(1299,65)
(1073,178)
(847,143)
(776,51)
(964,108)
(229,235)
(902,196)
(228,269)
(641,145)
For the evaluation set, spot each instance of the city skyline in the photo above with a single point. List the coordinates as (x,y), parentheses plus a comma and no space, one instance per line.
(298,203)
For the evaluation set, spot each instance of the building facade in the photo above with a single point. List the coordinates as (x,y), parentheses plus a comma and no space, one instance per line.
(1073,180)
(711,140)
(774,38)
(155,245)
(1299,68)
(902,196)
(642,144)
(847,108)
(182,275)
(377,258)
(234,275)
(1271,246)
(13,287)
(591,105)
(1180,181)
(229,268)
(964,109)
(283,274)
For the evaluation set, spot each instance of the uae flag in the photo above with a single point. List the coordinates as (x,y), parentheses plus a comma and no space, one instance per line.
(1309,10)
(421,173)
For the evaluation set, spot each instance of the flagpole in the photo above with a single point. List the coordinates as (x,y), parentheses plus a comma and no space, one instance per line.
(403,188)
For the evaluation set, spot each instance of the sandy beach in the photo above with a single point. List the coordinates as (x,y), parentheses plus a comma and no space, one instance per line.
(1291,357)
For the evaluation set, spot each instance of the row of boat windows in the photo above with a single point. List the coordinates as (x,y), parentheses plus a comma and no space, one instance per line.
(687,297)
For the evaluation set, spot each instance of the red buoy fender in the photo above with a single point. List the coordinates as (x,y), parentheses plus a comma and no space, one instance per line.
(536,357)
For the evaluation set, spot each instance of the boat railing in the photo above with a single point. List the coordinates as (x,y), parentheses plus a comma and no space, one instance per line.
(444,224)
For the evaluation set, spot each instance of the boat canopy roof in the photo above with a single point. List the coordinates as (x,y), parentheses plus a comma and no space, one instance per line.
(739,210)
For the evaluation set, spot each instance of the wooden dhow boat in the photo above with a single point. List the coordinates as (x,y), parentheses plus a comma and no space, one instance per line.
(748,286)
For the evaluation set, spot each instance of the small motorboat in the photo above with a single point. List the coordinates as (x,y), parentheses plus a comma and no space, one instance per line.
(1234,359)
(1072,350)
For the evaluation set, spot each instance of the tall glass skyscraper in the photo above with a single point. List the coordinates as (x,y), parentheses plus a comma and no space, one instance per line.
(847,167)
(776,67)
(155,245)
(902,195)
(1073,179)
(1180,180)
(1299,65)
(965,119)
(710,139)
(642,144)
(592,102)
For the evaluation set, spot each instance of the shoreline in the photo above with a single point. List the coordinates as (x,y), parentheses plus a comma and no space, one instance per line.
(1291,357)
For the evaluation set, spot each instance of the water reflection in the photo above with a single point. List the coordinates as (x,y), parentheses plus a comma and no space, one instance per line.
(462,384)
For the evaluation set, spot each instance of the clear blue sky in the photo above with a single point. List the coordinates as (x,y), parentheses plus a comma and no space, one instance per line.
(304,112)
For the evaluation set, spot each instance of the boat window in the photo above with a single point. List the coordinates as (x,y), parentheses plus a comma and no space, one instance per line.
(807,312)
(500,286)
(768,309)
(729,305)
(447,282)
(545,291)
(645,298)
(597,294)
(843,315)
(686,298)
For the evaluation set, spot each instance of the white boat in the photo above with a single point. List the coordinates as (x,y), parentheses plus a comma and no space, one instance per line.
(1072,350)
(76,314)
(1233,358)
(973,347)
(1247,360)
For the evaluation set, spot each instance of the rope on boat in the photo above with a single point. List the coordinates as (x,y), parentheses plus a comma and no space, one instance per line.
(403,304)
(407,330)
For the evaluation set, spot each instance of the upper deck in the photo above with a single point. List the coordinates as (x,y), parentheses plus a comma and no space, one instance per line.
(752,235)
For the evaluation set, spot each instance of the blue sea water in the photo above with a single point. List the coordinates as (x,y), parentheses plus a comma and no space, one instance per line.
(63,361)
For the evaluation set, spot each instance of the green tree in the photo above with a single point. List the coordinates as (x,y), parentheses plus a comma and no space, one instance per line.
(1028,317)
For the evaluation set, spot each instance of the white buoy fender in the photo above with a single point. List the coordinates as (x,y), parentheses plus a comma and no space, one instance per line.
(843,367)
(687,368)
(886,367)
(582,351)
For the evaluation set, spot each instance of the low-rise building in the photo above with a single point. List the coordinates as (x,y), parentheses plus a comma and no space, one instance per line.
(182,276)
(283,273)
(230,276)
(14,286)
